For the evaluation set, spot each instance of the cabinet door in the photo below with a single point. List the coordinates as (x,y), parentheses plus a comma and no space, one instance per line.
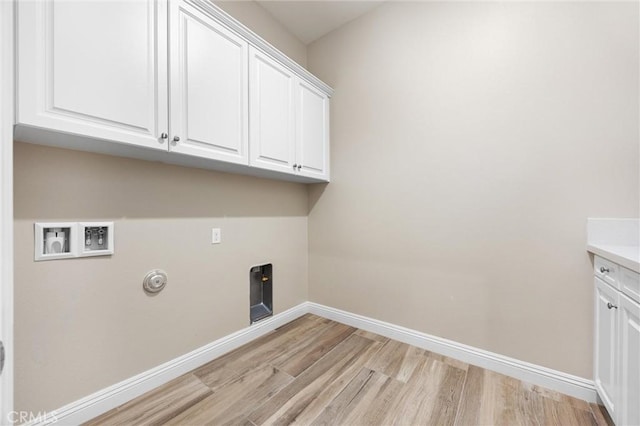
(272,114)
(629,405)
(606,338)
(94,68)
(209,79)
(312,131)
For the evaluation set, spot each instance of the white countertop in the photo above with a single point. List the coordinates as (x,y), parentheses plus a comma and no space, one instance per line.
(627,256)
(615,239)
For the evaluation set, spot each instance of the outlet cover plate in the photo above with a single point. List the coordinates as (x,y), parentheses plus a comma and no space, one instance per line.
(216,236)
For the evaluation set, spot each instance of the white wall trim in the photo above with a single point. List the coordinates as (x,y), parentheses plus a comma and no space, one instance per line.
(568,384)
(113,396)
(7,89)
(104,400)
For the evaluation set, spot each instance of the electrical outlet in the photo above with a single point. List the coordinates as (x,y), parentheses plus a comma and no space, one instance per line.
(216,236)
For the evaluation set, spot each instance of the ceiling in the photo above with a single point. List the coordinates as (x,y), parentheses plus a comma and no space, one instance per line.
(311,19)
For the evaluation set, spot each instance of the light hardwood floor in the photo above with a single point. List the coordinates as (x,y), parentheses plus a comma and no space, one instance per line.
(314,371)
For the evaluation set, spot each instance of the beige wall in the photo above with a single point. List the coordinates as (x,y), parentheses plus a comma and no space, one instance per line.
(470,142)
(256,18)
(84,324)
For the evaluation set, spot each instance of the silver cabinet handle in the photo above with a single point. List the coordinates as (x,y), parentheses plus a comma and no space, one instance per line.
(176,139)
(299,167)
(603,270)
(164,136)
(611,305)
(295,166)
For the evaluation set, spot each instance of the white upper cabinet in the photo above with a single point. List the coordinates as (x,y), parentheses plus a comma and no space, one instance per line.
(177,81)
(289,129)
(312,131)
(209,100)
(94,68)
(272,113)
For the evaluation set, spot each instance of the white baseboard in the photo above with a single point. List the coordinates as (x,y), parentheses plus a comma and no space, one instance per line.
(568,384)
(102,401)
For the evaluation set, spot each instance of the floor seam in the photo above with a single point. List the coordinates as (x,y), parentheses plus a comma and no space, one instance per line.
(464,385)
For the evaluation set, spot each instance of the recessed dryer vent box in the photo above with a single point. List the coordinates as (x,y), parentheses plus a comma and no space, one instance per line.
(55,240)
(260,292)
(96,238)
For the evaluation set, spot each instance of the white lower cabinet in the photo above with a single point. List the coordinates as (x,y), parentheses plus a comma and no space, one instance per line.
(617,352)
(606,344)
(629,400)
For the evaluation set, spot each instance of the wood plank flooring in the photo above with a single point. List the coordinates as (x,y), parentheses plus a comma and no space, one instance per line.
(314,371)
